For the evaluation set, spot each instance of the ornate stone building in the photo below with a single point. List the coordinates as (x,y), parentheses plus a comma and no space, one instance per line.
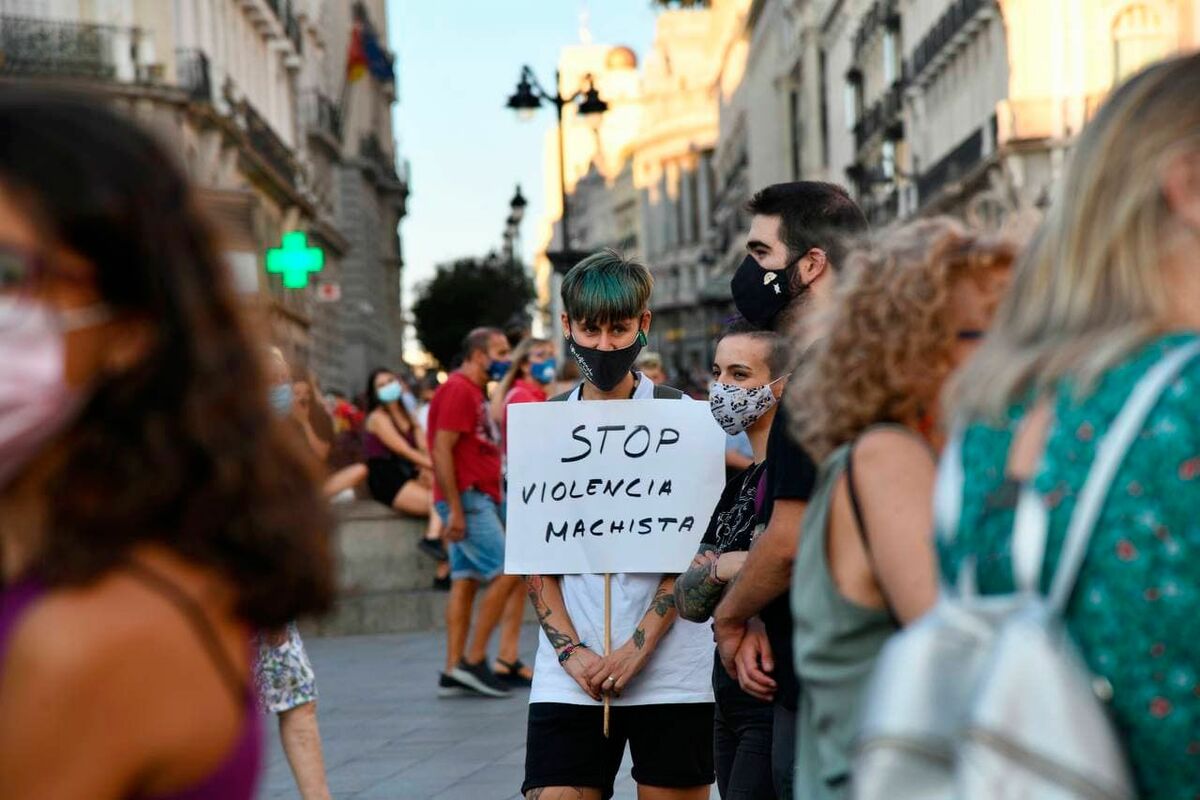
(249,95)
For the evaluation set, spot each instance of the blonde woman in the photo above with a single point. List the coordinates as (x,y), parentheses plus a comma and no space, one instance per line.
(1111,284)
(914,306)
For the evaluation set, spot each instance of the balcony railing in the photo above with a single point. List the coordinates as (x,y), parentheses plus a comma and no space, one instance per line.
(882,14)
(265,143)
(886,116)
(31,46)
(321,115)
(285,12)
(291,26)
(948,26)
(952,167)
(371,149)
(194,75)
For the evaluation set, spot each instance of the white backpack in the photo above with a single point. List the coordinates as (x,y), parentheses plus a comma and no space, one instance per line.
(987,697)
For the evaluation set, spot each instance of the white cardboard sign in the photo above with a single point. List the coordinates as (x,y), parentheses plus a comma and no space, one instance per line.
(610,486)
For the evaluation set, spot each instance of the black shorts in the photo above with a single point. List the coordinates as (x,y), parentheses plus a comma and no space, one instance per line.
(671,745)
(386,477)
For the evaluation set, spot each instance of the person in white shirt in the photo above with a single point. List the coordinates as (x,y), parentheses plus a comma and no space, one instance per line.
(658,678)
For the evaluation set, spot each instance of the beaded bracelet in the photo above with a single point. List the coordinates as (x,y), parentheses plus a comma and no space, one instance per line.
(568,650)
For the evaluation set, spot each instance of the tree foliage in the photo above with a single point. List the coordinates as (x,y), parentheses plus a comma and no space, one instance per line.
(464,295)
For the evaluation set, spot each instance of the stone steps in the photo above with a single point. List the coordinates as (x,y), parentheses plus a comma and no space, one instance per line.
(384,580)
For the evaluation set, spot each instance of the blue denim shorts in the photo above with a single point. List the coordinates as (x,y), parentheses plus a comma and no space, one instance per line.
(479,556)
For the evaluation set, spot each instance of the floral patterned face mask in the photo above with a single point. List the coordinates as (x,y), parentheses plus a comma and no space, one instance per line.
(736,408)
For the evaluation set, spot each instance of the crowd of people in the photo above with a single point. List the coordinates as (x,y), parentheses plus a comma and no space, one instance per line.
(916,416)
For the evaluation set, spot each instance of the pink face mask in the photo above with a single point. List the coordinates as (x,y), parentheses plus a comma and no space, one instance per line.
(36,402)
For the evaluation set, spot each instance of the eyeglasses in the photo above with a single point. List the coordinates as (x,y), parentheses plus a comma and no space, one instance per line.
(19,268)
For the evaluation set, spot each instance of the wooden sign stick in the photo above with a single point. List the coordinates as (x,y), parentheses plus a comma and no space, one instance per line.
(607,642)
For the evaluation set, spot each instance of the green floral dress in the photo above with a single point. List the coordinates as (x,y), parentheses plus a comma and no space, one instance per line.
(1135,612)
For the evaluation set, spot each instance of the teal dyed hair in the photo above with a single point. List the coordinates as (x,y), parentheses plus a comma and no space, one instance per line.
(604,288)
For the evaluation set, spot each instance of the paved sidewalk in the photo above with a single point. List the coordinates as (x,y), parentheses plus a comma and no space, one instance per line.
(386,734)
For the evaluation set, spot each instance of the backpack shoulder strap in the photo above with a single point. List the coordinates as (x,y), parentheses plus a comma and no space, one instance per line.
(1109,454)
(664,392)
(948,487)
(661,392)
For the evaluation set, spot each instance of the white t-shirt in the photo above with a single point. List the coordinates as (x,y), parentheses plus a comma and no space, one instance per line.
(678,671)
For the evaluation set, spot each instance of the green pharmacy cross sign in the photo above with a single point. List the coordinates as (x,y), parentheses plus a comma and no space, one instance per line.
(294,260)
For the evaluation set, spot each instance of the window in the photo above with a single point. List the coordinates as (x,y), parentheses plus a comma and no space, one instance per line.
(794,119)
(693,185)
(889,57)
(680,236)
(1138,39)
(887,161)
(850,102)
(821,77)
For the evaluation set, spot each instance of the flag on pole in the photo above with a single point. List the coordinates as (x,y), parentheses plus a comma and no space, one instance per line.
(356,55)
(379,62)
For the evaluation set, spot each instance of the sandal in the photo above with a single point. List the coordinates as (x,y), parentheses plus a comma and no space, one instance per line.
(512,674)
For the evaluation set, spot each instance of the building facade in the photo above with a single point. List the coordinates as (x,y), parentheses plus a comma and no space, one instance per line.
(249,96)
(970,106)
(641,181)
(594,154)
(672,164)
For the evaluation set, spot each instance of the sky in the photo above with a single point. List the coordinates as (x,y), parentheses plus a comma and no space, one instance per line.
(457,63)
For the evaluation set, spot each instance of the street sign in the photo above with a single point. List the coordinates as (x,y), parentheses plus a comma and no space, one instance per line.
(329,292)
(294,260)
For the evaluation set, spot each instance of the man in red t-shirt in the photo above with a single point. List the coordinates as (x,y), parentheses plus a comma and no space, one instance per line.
(465,444)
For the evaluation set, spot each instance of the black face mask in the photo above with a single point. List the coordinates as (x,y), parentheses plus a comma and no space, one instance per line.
(604,369)
(760,294)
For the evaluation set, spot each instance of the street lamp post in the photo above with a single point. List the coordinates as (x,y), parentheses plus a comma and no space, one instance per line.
(525,101)
(512,226)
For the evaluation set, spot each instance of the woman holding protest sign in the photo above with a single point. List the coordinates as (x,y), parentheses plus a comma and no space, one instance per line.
(656,681)
(749,374)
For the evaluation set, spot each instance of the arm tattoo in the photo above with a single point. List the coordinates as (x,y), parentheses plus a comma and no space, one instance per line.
(536,794)
(664,601)
(558,640)
(697,591)
(639,638)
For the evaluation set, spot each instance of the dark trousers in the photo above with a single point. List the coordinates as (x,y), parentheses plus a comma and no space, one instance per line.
(783,751)
(742,749)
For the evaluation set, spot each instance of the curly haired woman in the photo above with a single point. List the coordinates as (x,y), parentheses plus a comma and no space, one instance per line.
(916,303)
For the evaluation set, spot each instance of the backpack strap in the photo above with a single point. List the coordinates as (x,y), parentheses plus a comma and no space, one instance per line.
(664,392)
(1109,454)
(948,487)
(1031,526)
(856,504)
(661,392)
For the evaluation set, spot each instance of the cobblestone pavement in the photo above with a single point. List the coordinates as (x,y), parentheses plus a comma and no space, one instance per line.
(388,736)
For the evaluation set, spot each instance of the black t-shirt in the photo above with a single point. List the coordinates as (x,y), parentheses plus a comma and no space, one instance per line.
(791,475)
(733,525)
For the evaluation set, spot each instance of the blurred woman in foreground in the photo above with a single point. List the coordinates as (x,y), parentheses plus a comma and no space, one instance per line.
(153,511)
(915,305)
(1110,286)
